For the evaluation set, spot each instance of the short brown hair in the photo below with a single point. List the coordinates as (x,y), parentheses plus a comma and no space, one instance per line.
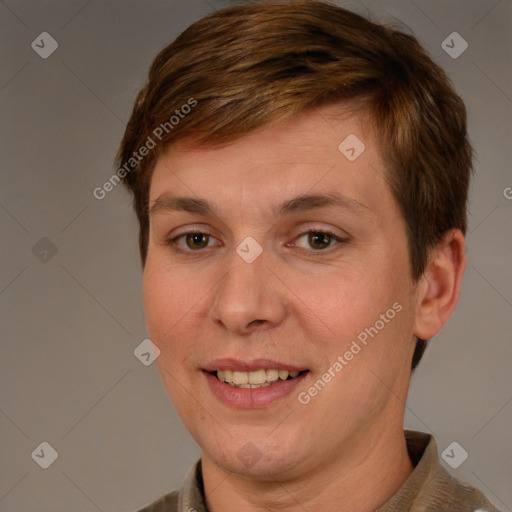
(251,65)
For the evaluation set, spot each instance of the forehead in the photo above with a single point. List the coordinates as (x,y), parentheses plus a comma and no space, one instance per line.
(311,136)
(329,150)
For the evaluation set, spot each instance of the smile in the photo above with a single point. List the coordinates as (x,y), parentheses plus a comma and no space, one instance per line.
(254,379)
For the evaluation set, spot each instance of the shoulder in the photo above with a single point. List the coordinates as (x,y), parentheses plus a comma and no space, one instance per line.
(190,495)
(443,491)
(431,487)
(167,503)
(450,493)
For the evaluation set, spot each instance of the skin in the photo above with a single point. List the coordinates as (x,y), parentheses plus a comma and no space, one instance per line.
(301,301)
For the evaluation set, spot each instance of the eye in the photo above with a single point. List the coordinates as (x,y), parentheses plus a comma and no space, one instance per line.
(194,240)
(320,240)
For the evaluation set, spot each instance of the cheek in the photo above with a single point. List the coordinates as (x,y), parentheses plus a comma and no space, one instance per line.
(175,306)
(157,304)
(168,295)
(345,301)
(364,312)
(168,313)
(163,307)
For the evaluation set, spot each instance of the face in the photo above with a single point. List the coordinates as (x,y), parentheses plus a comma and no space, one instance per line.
(280,263)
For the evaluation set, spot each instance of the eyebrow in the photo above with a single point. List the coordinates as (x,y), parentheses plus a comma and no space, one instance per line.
(304,202)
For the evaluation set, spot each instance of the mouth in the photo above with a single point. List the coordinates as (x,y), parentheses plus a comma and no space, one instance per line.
(255,379)
(253,384)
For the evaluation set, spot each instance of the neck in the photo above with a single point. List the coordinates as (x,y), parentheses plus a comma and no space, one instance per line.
(363,478)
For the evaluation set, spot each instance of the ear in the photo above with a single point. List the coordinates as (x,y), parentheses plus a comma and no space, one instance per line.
(439,287)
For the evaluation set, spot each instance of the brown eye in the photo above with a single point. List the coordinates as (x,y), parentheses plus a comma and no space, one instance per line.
(197,240)
(192,242)
(319,240)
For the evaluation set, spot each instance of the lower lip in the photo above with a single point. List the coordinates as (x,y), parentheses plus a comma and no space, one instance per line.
(252,398)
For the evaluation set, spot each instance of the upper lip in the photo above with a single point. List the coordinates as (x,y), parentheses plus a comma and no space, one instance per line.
(250,365)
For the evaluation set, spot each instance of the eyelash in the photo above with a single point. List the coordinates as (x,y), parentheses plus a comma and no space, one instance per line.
(173,241)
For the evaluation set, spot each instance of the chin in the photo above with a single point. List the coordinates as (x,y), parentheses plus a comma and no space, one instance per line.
(255,455)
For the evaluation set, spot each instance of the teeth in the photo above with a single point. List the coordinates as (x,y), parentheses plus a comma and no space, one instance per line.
(240,378)
(256,379)
(272,375)
(253,386)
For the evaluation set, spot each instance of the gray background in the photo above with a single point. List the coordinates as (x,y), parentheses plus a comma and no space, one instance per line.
(70,324)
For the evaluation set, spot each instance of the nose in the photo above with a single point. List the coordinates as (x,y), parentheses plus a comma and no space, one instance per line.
(249,297)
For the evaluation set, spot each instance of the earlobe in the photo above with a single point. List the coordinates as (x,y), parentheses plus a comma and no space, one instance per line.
(439,287)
